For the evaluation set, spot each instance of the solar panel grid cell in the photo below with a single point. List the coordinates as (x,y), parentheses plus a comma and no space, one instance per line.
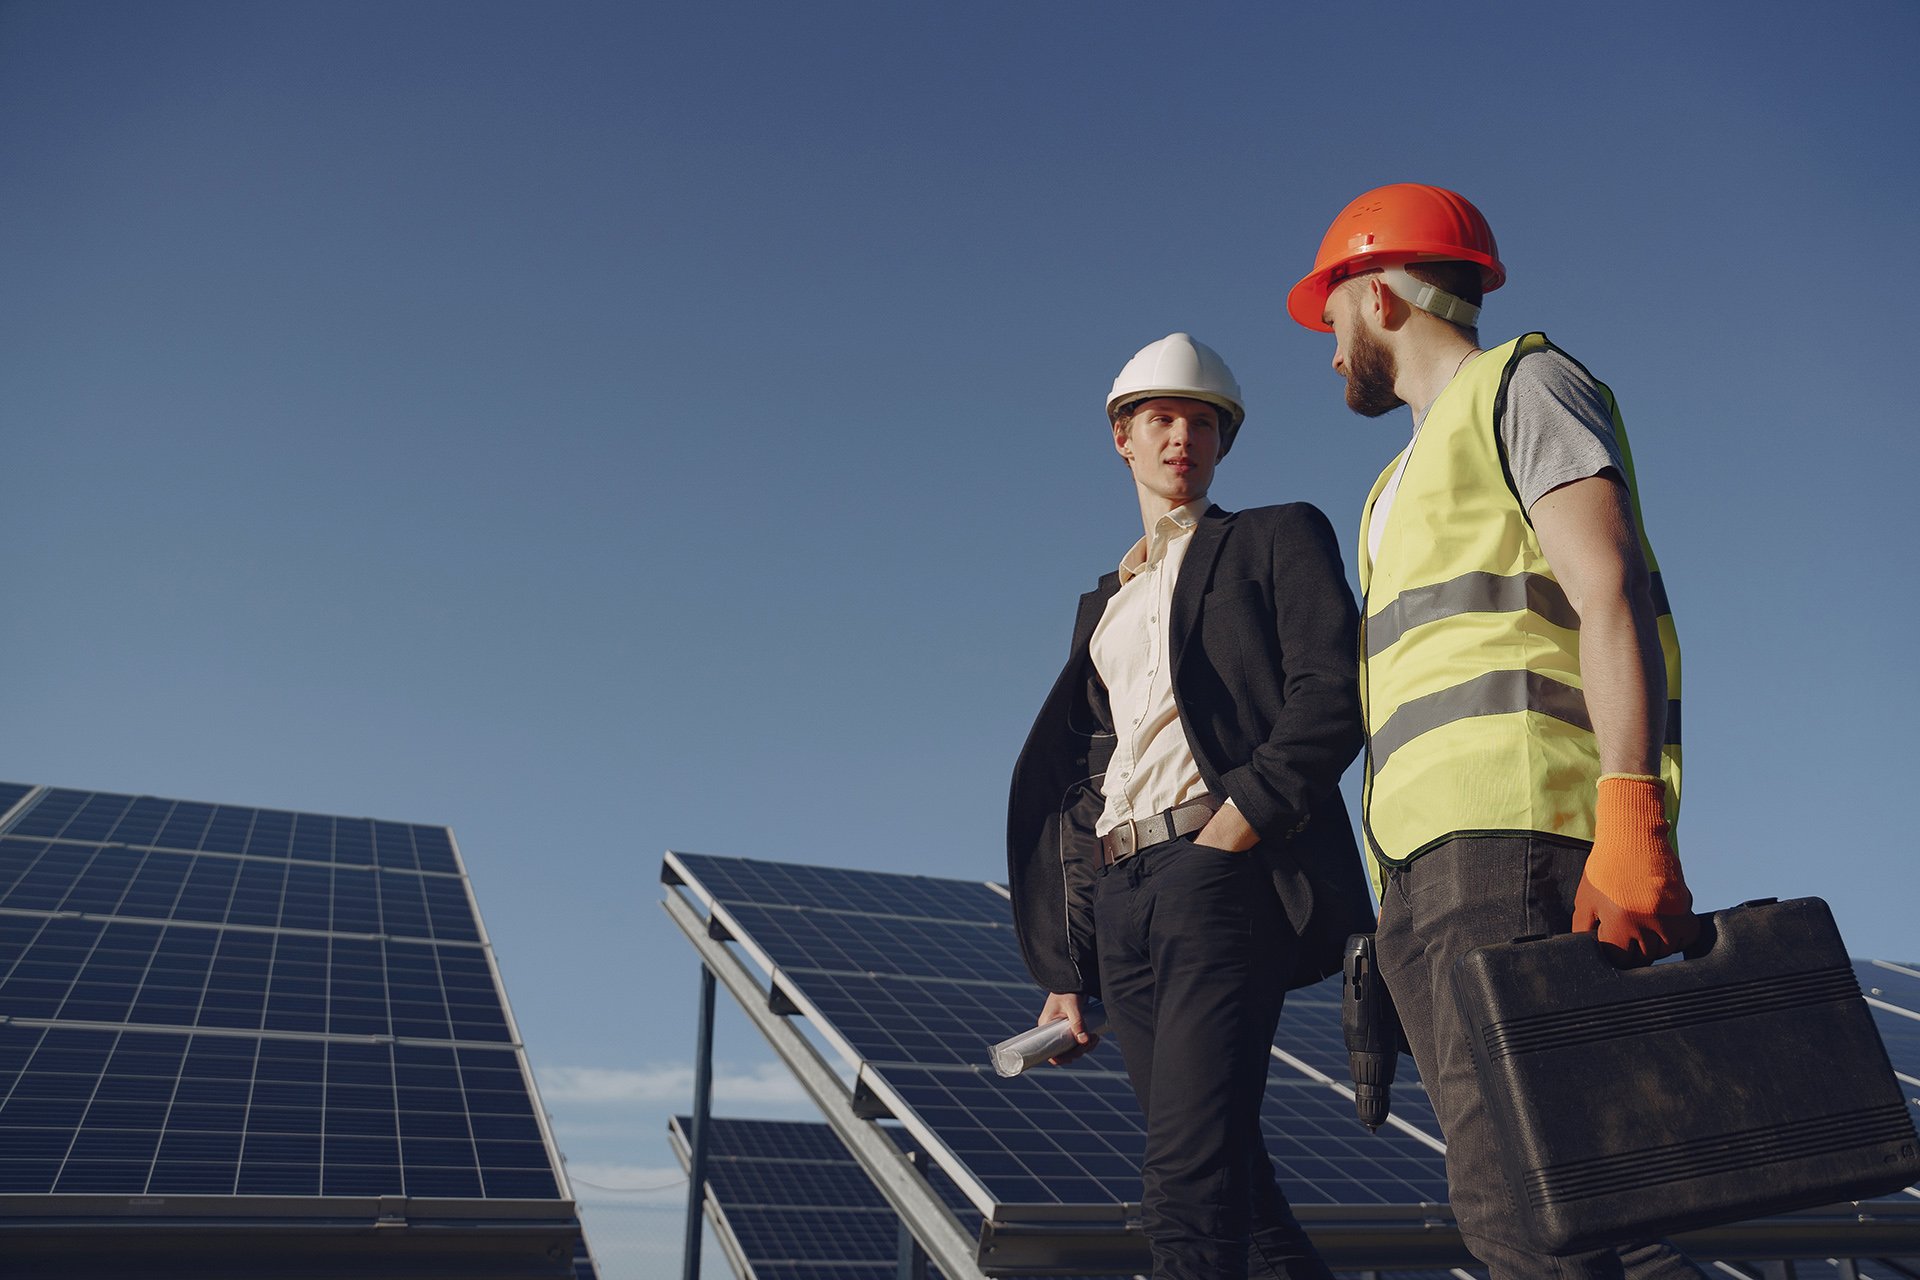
(1900,986)
(583,1264)
(744,880)
(169,1113)
(921,1020)
(792,1184)
(815,1235)
(799,1202)
(156,884)
(835,1270)
(146,821)
(108,971)
(1901,1035)
(1310,1029)
(11,793)
(819,938)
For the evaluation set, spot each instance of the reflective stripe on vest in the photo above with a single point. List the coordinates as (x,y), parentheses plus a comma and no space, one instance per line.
(1470,648)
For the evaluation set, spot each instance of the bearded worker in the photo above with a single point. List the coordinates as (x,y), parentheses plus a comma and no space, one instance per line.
(1519,666)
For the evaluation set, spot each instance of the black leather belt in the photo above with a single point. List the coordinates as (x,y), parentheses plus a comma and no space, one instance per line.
(1135,834)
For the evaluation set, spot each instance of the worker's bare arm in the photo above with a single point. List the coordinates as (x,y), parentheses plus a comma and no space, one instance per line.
(1586,529)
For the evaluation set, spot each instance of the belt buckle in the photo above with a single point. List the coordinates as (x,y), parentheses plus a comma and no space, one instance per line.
(1132,842)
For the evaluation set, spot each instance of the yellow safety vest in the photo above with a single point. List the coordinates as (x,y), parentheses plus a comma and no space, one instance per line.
(1470,650)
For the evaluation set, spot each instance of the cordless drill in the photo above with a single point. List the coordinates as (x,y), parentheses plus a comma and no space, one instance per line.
(1372,1030)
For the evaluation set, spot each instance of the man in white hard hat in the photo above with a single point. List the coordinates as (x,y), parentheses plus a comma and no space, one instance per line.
(1176,841)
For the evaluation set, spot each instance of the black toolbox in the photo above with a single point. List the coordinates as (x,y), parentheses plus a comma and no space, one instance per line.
(1745,1079)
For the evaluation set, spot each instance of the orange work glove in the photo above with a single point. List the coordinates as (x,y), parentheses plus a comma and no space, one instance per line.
(1632,892)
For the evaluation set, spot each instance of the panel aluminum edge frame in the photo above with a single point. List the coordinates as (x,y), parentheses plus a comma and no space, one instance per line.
(554,1159)
(32,797)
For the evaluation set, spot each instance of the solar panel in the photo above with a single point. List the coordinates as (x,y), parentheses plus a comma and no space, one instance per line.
(867,893)
(793,1200)
(41,875)
(913,977)
(852,942)
(798,1205)
(1897,984)
(922,1020)
(171,1113)
(1310,1029)
(100,817)
(189,975)
(1893,995)
(909,978)
(11,794)
(207,1000)
(1069,1138)
(1901,1034)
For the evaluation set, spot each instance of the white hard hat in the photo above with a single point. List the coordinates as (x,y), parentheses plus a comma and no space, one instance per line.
(1178,366)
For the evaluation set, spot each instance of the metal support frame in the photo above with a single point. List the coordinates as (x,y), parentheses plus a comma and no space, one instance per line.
(920,1209)
(697,1143)
(913,1259)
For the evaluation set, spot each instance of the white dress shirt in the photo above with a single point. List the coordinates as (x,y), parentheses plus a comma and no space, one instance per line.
(1153,768)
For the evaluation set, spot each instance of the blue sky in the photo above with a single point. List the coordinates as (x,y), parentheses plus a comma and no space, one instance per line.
(606,428)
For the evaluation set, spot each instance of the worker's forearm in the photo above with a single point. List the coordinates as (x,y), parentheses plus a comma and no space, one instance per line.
(1625,678)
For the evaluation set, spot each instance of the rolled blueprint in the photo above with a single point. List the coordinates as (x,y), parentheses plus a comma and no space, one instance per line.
(1031,1048)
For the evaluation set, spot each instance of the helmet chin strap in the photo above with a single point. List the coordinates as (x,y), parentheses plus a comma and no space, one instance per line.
(1429,298)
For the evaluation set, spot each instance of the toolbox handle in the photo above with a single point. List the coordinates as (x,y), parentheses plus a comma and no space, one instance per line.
(1701,946)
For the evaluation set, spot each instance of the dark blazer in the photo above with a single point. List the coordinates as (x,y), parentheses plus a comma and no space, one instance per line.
(1264,663)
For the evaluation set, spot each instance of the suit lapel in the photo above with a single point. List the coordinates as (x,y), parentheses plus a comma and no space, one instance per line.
(1196,571)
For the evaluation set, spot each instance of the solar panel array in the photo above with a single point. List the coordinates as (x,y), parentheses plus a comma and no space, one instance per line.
(913,976)
(910,977)
(218,1000)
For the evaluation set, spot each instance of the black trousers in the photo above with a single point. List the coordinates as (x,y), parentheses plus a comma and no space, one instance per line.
(1194,949)
(1467,893)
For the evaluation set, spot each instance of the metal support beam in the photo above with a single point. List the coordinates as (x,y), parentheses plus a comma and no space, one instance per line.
(931,1222)
(702,1105)
(913,1259)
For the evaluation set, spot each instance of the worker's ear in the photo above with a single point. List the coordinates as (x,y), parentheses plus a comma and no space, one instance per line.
(1387,309)
(1121,444)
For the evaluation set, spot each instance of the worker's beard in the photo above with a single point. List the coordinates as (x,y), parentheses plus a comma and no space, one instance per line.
(1370,374)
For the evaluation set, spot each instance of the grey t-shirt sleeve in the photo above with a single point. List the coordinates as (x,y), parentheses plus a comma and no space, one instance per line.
(1556,426)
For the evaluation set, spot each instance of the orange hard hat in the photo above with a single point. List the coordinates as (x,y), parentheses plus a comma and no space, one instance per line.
(1400,223)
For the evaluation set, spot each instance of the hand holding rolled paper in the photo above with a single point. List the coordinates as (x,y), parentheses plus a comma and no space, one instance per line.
(1068,1028)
